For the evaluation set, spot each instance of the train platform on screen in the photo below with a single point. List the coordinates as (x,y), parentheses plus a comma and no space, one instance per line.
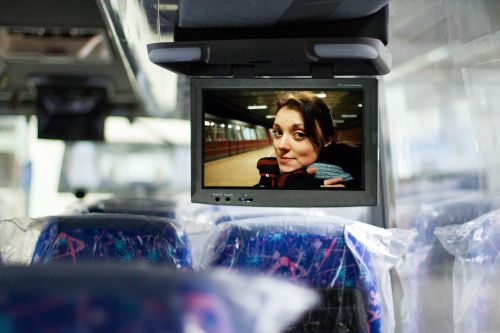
(221,172)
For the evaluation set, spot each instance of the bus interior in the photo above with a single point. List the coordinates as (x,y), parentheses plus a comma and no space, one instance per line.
(115,164)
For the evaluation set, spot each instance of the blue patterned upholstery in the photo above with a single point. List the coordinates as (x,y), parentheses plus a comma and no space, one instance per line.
(107,298)
(307,256)
(113,237)
(148,207)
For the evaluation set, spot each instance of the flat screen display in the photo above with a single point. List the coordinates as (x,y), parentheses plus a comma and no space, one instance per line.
(71,114)
(297,142)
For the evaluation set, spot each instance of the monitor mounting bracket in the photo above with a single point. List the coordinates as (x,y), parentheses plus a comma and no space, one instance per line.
(318,57)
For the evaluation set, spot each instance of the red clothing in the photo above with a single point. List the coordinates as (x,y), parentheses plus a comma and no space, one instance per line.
(270,176)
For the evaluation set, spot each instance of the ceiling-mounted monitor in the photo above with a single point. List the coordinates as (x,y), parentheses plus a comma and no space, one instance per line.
(284,142)
(71,108)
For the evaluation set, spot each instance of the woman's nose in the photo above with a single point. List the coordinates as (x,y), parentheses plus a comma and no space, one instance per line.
(284,143)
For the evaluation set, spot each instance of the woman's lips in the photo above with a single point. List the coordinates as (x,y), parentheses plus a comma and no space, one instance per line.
(286,159)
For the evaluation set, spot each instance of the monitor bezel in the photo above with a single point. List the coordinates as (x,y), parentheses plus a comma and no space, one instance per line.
(324,197)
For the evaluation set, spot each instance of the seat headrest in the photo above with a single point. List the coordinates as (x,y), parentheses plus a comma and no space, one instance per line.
(113,237)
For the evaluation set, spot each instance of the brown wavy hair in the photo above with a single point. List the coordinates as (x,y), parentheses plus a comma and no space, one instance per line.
(318,121)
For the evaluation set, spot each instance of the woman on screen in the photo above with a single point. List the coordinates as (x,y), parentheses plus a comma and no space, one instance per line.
(307,155)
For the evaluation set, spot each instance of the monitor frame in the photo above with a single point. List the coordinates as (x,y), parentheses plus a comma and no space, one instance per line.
(324,197)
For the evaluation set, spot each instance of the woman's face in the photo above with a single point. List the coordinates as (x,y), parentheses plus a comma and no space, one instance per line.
(294,150)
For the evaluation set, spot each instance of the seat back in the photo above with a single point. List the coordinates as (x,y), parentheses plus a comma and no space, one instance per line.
(98,297)
(428,266)
(476,273)
(113,237)
(309,254)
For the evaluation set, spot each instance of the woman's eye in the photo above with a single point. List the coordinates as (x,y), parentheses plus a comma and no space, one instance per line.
(277,133)
(299,135)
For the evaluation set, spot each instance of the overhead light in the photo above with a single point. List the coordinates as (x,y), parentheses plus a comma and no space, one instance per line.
(257,107)
(342,51)
(175,54)
(168,7)
(270,116)
(222,125)
(229,126)
(320,95)
(238,127)
(360,105)
(207,123)
(212,124)
(340,121)
(349,116)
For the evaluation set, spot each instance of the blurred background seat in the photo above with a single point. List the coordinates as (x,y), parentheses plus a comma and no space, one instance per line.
(98,297)
(476,272)
(427,269)
(113,237)
(108,297)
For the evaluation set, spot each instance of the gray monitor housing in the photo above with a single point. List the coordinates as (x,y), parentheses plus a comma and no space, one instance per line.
(342,55)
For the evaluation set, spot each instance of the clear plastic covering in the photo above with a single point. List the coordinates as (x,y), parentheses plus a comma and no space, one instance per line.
(425,272)
(270,305)
(347,261)
(138,298)
(476,272)
(95,237)
(199,220)
(18,237)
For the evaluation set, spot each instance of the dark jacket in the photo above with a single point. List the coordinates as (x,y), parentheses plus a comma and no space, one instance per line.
(346,157)
(270,176)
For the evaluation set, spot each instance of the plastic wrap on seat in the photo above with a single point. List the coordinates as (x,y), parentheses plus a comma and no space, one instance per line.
(201,223)
(346,260)
(410,204)
(427,266)
(113,237)
(110,298)
(227,214)
(476,272)
(18,237)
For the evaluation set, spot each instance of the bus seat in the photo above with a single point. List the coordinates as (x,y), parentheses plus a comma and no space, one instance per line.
(304,253)
(149,207)
(227,214)
(476,274)
(113,237)
(107,298)
(104,297)
(428,266)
